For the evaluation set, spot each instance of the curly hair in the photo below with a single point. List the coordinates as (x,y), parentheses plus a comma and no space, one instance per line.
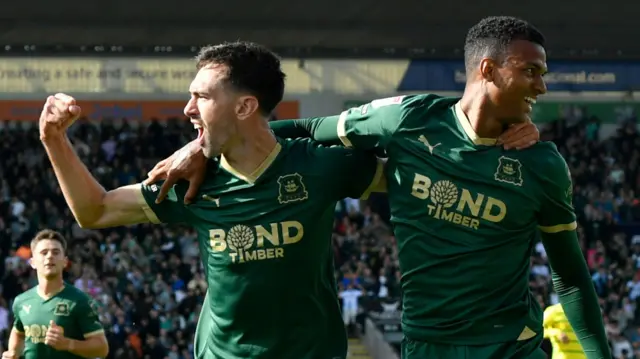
(492,35)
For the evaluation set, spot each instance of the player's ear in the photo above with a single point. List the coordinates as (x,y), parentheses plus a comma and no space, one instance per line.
(246,107)
(487,68)
(31,263)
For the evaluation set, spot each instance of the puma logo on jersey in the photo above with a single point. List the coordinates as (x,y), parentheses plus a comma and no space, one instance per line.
(215,200)
(26,308)
(426,143)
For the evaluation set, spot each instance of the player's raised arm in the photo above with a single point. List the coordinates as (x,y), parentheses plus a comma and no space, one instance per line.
(91,205)
(571,279)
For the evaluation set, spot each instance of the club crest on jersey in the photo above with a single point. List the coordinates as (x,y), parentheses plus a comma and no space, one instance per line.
(62,309)
(509,171)
(291,189)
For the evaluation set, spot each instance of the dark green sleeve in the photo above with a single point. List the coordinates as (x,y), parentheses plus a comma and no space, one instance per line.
(87,317)
(321,129)
(367,127)
(572,282)
(17,323)
(349,172)
(570,274)
(556,213)
(171,210)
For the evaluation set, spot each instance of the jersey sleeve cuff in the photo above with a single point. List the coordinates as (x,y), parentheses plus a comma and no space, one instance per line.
(94,333)
(559,227)
(342,130)
(148,211)
(376,179)
(17,330)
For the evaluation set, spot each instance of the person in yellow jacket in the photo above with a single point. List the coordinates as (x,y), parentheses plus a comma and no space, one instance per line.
(558,330)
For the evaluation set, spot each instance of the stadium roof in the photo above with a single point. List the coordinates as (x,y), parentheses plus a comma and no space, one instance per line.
(426,29)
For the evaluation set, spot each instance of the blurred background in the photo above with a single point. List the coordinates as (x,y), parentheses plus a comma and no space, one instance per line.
(130,63)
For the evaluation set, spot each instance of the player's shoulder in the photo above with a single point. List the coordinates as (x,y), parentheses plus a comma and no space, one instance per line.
(417,102)
(417,109)
(25,297)
(547,161)
(410,103)
(426,100)
(77,294)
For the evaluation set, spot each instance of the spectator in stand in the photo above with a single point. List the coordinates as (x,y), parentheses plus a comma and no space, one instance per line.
(350,306)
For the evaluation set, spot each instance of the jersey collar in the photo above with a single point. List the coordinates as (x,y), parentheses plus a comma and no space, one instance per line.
(52,294)
(464,122)
(252,177)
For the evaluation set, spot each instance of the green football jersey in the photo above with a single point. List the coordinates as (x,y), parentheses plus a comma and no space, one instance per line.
(265,242)
(71,309)
(465,214)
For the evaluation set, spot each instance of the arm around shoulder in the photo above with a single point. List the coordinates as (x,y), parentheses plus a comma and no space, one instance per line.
(321,129)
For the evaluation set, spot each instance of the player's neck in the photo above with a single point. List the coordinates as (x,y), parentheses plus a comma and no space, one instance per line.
(47,288)
(478,111)
(249,151)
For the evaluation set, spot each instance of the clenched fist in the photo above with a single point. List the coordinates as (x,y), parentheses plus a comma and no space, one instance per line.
(55,337)
(59,112)
(10,354)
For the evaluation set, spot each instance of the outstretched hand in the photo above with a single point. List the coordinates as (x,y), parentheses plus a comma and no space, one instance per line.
(188,163)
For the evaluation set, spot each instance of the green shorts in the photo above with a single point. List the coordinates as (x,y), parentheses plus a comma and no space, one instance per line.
(526,349)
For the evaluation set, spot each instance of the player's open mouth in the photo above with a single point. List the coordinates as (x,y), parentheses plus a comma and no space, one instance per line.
(199,129)
(530,100)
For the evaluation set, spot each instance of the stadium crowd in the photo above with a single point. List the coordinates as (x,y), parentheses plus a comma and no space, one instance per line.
(148,279)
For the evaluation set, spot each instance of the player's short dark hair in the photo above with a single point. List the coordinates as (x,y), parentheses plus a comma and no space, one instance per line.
(492,35)
(51,235)
(252,68)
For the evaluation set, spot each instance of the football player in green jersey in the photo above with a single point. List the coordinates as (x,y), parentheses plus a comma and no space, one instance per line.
(54,320)
(466,212)
(263,216)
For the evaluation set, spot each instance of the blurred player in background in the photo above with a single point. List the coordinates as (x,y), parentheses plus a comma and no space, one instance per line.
(54,320)
(563,339)
(466,212)
(263,216)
